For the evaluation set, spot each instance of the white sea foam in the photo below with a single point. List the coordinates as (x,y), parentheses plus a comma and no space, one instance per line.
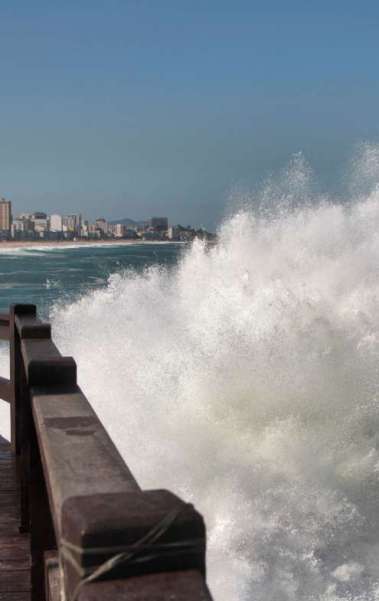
(246,380)
(33,248)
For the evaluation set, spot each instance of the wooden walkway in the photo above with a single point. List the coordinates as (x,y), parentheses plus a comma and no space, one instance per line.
(15,562)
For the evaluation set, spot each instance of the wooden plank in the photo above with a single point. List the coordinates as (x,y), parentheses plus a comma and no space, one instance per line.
(9,517)
(19,596)
(7,481)
(30,326)
(167,586)
(7,463)
(15,560)
(14,580)
(7,470)
(39,350)
(15,564)
(9,512)
(9,523)
(8,485)
(15,547)
(5,448)
(79,457)
(53,577)
(45,366)
(8,498)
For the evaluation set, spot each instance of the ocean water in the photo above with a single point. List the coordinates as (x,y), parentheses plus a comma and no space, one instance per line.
(245,378)
(47,275)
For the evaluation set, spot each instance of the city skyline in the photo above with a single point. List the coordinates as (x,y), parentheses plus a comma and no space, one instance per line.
(38,225)
(83,214)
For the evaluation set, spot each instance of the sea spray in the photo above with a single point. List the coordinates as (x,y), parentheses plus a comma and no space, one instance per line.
(246,379)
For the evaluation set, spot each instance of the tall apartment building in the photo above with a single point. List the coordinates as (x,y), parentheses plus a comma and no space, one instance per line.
(159,224)
(41,223)
(5,215)
(56,223)
(119,230)
(72,224)
(102,225)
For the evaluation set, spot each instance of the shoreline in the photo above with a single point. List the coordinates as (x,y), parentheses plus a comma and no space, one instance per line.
(7,245)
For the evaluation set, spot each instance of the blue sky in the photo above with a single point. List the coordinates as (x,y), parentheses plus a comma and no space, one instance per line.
(133,108)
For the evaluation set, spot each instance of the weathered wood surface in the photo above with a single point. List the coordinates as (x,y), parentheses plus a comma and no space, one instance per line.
(53,583)
(15,563)
(174,586)
(78,455)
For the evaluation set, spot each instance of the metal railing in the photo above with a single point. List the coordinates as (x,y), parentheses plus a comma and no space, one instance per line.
(94,533)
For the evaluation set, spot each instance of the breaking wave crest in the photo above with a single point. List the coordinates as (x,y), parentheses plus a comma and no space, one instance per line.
(246,380)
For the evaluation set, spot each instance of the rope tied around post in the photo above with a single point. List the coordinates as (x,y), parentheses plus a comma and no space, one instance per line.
(129,553)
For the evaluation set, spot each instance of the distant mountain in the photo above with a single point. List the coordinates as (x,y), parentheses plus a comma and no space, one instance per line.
(129,222)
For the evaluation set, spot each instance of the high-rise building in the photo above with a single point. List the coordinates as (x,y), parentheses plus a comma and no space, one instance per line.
(159,224)
(56,223)
(119,230)
(93,231)
(41,223)
(173,233)
(72,224)
(5,215)
(102,225)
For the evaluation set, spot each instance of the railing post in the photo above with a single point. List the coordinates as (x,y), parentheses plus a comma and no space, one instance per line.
(17,377)
(42,538)
(20,410)
(35,510)
(128,534)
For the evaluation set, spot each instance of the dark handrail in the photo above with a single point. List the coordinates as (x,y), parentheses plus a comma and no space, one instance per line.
(80,502)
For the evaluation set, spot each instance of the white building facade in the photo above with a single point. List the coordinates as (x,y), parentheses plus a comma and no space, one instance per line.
(56,223)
